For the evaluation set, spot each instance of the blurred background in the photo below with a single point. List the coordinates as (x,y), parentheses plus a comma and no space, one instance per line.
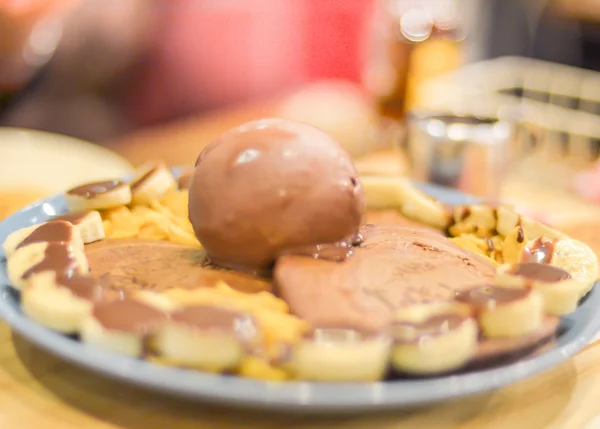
(496,97)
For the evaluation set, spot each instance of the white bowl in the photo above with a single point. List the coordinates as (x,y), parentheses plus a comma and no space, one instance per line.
(35,164)
(54,162)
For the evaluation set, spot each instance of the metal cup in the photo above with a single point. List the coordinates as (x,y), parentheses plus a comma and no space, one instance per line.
(465,152)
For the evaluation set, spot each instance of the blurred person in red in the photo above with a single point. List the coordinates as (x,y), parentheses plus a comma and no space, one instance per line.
(212,53)
(128,63)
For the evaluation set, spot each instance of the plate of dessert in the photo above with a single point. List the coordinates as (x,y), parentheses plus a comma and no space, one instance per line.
(271,275)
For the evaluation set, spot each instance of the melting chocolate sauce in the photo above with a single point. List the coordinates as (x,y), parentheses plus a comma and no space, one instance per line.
(140,181)
(73,218)
(434,325)
(540,251)
(483,296)
(520,235)
(58,257)
(542,272)
(206,317)
(83,286)
(91,190)
(129,315)
(53,231)
(337,252)
(465,214)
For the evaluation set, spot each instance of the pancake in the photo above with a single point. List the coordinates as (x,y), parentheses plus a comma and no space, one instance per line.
(395,267)
(400,266)
(136,264)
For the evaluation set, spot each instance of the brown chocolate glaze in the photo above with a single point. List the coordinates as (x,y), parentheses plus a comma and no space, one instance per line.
(73,218)
(540,251)
(465,214)
(483,296)
(540,272)
(520,235)
(289,185)
(435,325)
(91,190)
(337,252)
(128,315)
(85,287)
(211,318)
(53,231)
(144,177)
(58,257)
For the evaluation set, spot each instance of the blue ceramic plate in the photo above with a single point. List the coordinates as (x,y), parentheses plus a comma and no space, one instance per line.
(575,331)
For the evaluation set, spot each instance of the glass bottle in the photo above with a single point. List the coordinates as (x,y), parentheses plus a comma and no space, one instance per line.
(410,41)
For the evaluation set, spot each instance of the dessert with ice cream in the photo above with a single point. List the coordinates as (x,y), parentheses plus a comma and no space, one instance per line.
(259,261)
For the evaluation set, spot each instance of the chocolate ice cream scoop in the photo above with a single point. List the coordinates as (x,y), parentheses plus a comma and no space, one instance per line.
(269,186)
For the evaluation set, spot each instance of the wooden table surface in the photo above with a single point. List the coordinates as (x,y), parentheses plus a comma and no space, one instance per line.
(38,390)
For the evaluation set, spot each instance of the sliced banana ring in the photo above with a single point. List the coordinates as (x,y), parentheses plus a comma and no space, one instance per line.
(122,326)
(513,246)
(88,223)
(399,193)
(505,311)
(33,259)
(98,196)
(62,302)
(432,338)
(340,354)
(206,337)
(559,290)
(52,231)
(573,256)
(152,181)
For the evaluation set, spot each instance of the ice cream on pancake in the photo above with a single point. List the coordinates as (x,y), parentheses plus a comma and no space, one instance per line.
(273,186)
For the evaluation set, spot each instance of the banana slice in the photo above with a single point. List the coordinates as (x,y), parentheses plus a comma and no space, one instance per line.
(98,196)
(337,354)
(513,246)
(478,219)
(505,311)
(88,223)
(62,302)
(152,181)
(559,290)
(573,256)
(123,326)
(508,219)
(53,231)
(206,337)
(33,259)
(400,194)
(434,338)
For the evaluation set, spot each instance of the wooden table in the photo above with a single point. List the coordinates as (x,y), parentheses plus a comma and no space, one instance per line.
(40,391)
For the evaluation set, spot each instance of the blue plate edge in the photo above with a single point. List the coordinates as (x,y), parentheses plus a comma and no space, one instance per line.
(293,396)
